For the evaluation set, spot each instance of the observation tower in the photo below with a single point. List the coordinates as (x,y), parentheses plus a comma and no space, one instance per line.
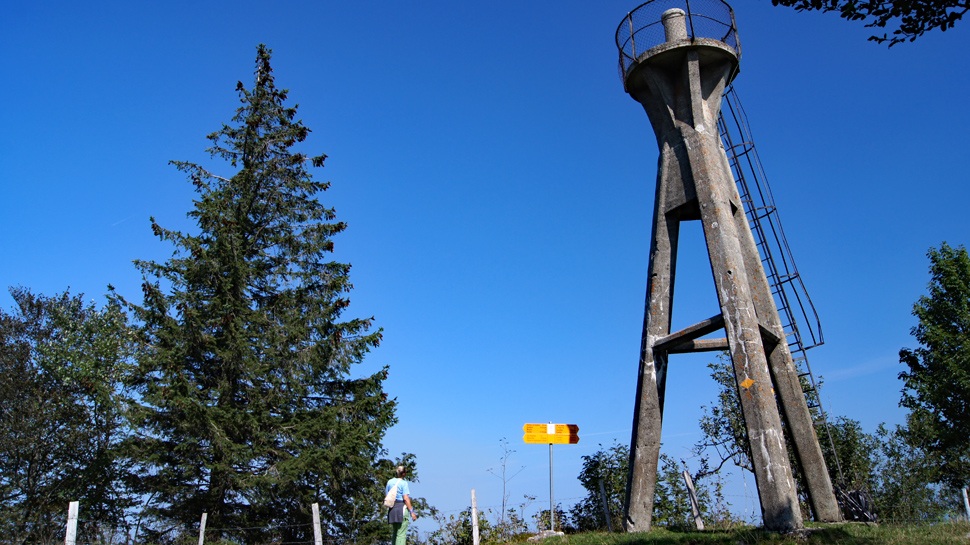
(677,59)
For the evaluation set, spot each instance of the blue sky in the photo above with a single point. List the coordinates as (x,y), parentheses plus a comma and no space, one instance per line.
(498,184)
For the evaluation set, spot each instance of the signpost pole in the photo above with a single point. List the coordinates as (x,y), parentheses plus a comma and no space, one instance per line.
(567,434)
(552,510)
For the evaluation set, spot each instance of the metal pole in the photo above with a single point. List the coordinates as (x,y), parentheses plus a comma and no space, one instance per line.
(633,42)
(690,19)
(552,510)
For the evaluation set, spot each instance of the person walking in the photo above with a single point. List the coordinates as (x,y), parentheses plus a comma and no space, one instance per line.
(396,518)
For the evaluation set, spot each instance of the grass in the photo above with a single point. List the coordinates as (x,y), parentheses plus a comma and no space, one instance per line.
(850,533)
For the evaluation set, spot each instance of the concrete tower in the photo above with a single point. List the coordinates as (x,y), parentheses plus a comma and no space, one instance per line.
(677,63)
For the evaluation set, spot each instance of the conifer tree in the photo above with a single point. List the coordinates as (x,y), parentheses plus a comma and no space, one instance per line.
(250,411)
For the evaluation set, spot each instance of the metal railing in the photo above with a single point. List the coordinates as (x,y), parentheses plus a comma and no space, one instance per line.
(642,29)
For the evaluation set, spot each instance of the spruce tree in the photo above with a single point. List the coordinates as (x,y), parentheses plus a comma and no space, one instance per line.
(250,411)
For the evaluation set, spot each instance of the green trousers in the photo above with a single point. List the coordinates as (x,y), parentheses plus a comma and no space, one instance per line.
(400,530)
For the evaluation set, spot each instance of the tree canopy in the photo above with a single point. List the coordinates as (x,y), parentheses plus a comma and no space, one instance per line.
(888,467)
(909,19)
(249,410)
(672,508)
(937,383)
(61,414)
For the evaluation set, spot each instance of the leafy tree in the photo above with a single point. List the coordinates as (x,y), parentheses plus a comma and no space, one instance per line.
(722,423)
(904,488)
(458,529)
(609,465)
(854,454)
(892,471)
(541,519)
(671,502)
(724,432)
(911,17)
(249,409)
(672,507)
(937,384)
(61,414)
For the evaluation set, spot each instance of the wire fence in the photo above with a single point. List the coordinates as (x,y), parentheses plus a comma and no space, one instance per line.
(91,532)
(82,531)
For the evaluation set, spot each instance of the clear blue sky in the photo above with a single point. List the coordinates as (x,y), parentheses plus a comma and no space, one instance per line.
(498,184)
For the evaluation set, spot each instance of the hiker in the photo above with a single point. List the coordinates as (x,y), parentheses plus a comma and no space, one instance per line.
(396,518)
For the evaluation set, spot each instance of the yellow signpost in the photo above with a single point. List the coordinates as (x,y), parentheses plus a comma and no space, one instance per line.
(559,434)
(551,434)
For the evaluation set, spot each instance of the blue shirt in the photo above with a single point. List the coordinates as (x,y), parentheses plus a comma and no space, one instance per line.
(402,489)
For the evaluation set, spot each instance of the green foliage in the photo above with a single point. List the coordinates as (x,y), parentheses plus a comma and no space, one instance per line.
(722,423)
(903,488)
(609,465)
(672,508)
(724,432)
(541,519)
(937,385)
(671,501)
(61,414)
(457,529)
(248,409)
(855,453)
(894,473)
(913,17)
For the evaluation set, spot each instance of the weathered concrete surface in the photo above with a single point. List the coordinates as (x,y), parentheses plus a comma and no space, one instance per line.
(680,85)
(801,428)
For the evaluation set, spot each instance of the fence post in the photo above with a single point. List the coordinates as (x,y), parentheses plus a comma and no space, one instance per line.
(475,538)
(202,528)
(694,507)
(966,503)
(606,507)
(317,533)
(70,538)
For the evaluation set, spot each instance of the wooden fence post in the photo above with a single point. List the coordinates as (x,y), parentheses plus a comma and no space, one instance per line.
(202,528)
(694,507)
(966,503)
(317,532)
(606,507)
(70,538)
(475,539)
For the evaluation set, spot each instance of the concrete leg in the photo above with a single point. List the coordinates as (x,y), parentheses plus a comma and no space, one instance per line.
(648,410)
(801,427)
(776,488)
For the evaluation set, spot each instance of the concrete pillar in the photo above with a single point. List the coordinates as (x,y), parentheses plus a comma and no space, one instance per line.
(651,380)
(788,387)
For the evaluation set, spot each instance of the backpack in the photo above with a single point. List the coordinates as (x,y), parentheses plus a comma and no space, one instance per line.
(391,496)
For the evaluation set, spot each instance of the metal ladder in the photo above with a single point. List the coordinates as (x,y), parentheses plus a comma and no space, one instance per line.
(787,288)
